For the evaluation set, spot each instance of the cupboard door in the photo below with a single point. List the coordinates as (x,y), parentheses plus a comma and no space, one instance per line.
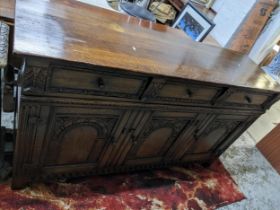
(79,135)
(215,130)
(150,145)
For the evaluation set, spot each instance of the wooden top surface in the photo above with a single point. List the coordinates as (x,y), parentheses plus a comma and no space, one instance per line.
(74,31)
(7,10)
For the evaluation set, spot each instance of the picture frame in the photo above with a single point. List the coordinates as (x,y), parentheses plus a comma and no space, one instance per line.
(193,23)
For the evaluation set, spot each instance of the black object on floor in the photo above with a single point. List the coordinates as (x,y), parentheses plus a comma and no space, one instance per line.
(137,11)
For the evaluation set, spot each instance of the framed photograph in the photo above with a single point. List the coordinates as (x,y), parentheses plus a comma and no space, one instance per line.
(193,23)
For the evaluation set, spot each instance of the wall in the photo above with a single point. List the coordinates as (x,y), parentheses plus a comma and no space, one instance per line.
(230,14)
(268,38)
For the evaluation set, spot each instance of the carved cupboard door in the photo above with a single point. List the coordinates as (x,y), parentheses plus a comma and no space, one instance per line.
(79,136)
(149,145)
(216,130)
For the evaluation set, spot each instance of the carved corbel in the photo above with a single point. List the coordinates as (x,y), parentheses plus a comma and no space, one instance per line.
(34,79)
(153,89)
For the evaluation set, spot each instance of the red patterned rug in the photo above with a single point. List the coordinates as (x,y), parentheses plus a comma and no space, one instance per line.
(190,188)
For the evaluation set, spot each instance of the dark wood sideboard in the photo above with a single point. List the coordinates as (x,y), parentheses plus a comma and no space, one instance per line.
(103,92)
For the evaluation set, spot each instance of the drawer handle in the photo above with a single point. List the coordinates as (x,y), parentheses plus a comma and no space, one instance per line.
(248,99)
(189,93)
(101,83)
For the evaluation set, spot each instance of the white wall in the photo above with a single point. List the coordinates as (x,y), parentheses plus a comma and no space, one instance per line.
(230,14)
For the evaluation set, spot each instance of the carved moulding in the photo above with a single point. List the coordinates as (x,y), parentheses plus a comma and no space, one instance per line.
(34,79)
(104,125)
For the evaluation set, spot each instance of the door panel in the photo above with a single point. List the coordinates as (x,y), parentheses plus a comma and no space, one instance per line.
(134,126)
(217,130)
(149,148)
(158,134)
(78,137)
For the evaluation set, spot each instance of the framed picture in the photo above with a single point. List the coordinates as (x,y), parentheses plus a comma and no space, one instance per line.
(193,23)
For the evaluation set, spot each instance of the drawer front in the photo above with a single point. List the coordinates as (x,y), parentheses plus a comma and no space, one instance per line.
(180,92)
(94,82)
(246,98)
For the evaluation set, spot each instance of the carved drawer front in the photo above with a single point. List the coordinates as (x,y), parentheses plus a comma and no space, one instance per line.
(79,136)
(244,98)
(215,130)
(173,91)
(94,82)
(149,144)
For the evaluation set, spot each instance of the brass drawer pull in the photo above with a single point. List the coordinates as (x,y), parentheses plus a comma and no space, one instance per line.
(101,83)
(248,99)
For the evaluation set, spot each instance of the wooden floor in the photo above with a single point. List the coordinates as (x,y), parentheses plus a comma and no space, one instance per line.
(270,147)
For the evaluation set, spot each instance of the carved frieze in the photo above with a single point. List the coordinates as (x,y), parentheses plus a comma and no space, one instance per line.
(103,125)
(155,124)
(34,79)
(227,124)
(176,126)
(154,88)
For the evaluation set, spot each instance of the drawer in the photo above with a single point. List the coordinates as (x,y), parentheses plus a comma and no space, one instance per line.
(95,82)
(179,92)
(246,98)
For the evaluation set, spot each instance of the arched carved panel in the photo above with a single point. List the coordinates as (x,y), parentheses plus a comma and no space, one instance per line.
(76,144)
(78,139)
(154,142)
(212,135)
(157,137)
(207,141)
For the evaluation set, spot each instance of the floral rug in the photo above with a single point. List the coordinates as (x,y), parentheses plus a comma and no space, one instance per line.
(191,188)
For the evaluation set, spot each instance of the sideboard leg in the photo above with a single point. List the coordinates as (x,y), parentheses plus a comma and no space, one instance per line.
(206,164)
(19,182)
(209,162)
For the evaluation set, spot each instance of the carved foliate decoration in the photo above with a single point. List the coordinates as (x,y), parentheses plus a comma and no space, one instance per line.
(154,88)
(103,125)
(155,124)
(228,125)
(176,125)
(34,79)
(4,44)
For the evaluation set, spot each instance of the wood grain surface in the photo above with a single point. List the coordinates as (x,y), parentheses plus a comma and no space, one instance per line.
(99,94)
(74,31)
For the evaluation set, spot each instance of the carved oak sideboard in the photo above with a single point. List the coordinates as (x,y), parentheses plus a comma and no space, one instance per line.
(110,96)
